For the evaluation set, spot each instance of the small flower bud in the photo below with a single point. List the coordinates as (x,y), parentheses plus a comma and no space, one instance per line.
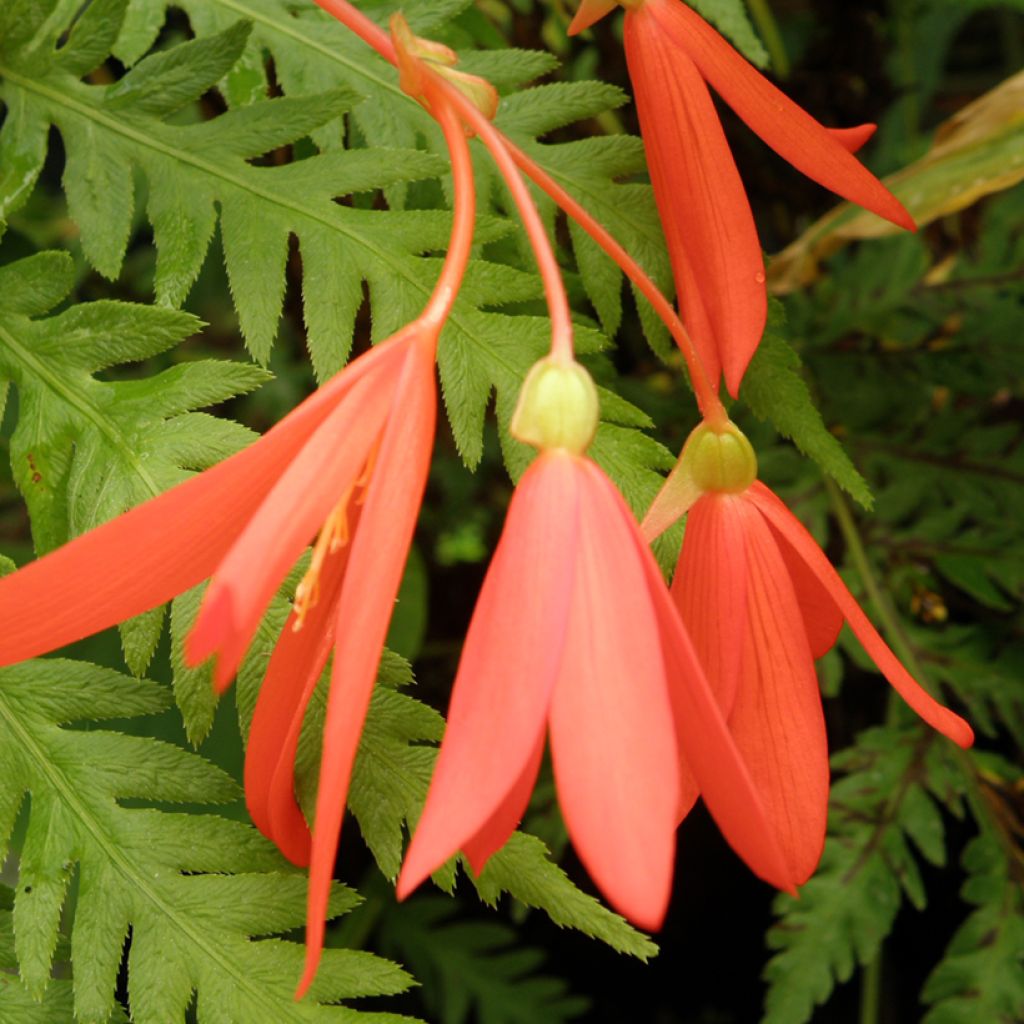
(557,408)
(720,459)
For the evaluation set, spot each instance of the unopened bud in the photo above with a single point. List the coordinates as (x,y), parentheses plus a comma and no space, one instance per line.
(557,408)
(720,459)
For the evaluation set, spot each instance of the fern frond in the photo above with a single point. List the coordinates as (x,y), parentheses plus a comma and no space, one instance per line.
(198,892)
(848,907)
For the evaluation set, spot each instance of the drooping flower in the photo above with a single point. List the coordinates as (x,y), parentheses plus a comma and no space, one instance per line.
(574,637)
(351,460)
(712,240)
(761,601)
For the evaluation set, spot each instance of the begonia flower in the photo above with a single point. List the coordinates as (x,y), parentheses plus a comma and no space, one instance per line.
(712,240)
(574,636)
(761,601)
(351,460)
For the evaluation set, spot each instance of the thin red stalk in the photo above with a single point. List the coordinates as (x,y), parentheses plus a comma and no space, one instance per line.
(369,31)
(551,274)
(464,218)
(707,399)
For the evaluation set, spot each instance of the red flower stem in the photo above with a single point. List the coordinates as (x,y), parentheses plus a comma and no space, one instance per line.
(369,31)
(550,272)
(707,398)
(502,149)
(464,216)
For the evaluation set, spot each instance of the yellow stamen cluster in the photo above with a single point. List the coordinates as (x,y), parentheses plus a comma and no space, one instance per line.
(334,535)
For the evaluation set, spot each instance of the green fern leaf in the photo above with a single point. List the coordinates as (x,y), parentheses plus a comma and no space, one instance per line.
(774,390)
(731,19)
(981,977)
(196,890)
(473,970)
(848,907)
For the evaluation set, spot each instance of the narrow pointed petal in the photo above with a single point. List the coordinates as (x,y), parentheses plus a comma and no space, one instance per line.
(612,742)
(589,12)
(709,750)
(709,228)
(786,127)
(376,562)
(822,618)
(286,521)
(502,823)
(676,497)
(295,666)
(777,721)
(152,552)
(852,139)
(938,717)
(509,665)
(710,591)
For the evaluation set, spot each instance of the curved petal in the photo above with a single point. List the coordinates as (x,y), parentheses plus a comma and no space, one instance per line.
(376,561)
(804,545)
(705,743)
(716,255)
(509,664)
(710,590)
(786,127)
(295,666)
(777,721)
(495,832)
(822,618)
(285,522)
(589,12)
(612,742)
(852,139)
(158,549)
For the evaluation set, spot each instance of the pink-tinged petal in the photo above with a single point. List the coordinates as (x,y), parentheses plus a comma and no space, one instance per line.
(852,139)
(502,823)
(509,665)
(312,485)
(709,750)
(938,717)
(295,666)
(822,618)
(589,12)
(376,561)
(777,721)
(612,742)
(787,128)
(710,590)
(716,255)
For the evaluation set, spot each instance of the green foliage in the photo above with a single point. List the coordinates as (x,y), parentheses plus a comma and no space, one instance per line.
(774,390)
(198,892)
(473,971)
(982,975)
(887,797)
(731,19)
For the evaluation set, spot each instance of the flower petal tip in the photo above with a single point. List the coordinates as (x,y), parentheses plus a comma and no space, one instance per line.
(212,627)
(590,12)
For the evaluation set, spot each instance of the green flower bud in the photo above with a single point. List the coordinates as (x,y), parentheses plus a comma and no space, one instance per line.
(558,407)
(720,459)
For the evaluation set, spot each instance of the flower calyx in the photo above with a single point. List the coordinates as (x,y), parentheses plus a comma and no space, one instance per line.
(716,459)
(417,57)
(558,407)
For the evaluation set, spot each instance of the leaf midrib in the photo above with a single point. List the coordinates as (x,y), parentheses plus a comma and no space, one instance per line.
(150,142)
(62,786)
(72,398)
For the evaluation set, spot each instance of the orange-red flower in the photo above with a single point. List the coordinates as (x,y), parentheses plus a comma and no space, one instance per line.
(574,636)
(761,602)
(716,256)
